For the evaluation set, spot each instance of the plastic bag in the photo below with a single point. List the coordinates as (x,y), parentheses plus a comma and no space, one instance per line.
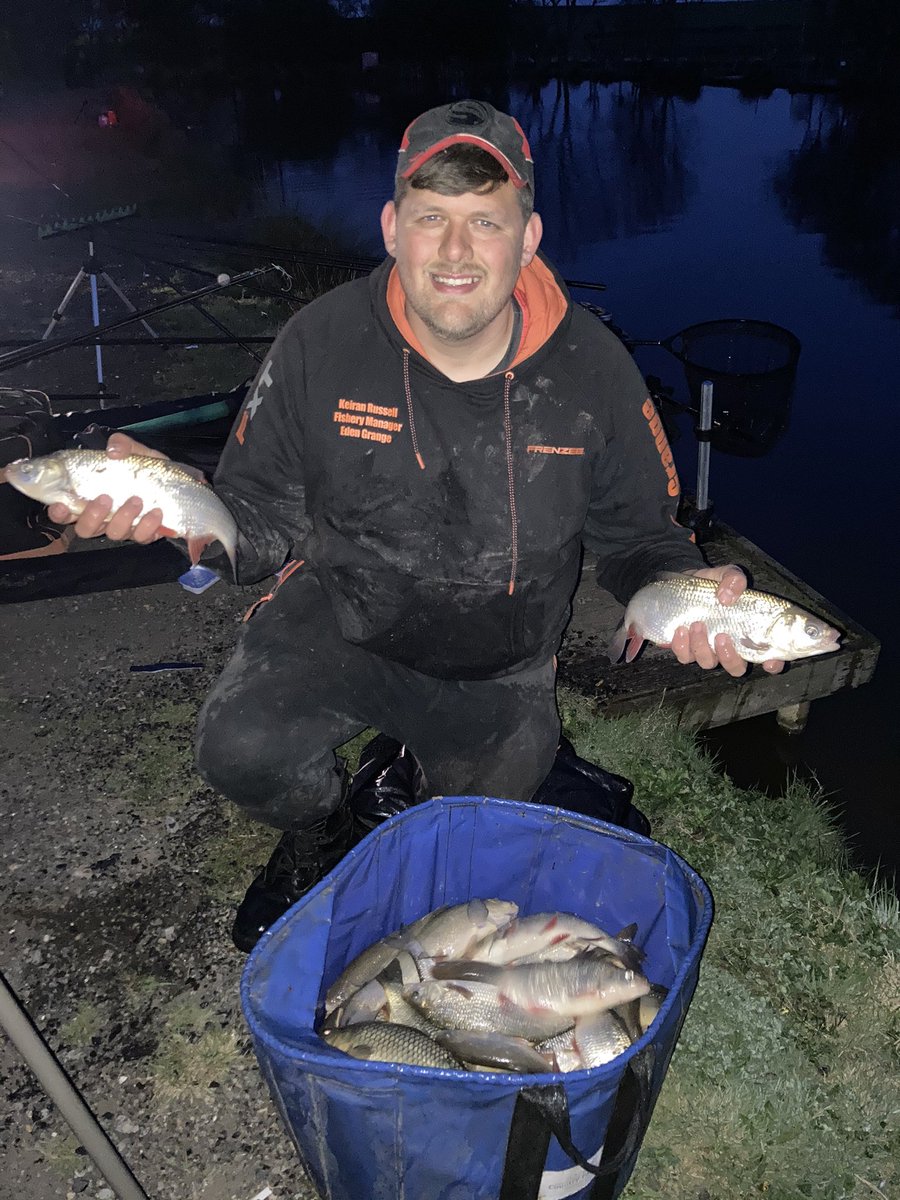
(389,780)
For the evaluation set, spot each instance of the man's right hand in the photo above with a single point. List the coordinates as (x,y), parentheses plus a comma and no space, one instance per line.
(98,516)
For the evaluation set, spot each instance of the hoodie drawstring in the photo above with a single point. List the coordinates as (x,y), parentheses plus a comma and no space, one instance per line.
(409,408)
(508,378)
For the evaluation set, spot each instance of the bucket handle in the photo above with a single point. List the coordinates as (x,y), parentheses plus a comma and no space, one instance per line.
(544,1110)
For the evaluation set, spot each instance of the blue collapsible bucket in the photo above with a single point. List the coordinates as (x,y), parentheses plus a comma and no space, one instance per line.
(386,1131)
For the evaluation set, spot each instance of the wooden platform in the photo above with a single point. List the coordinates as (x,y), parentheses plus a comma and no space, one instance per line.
(704,699)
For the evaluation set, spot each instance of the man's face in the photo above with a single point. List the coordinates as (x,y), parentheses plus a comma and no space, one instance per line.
(459,256)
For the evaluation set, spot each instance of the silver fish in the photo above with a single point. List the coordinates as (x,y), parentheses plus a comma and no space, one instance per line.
(384,960)
(379,1041)
(365,1004)
(761,625)
(560,1052)
(599,1038)
(454,931)
(582,985)
(444,932)
(650,1005)
(399,1011)
(498,1051)
(556,937)
(190,509)
(463,1005)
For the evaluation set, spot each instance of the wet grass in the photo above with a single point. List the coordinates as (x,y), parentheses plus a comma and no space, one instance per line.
(86,1022)
(785,1079)
(187,1064)
(64,1155)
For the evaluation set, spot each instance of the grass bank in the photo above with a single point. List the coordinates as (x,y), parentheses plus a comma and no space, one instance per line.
(785,1081)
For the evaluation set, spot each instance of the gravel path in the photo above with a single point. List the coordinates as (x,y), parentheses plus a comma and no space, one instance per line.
(119,870)
(118,875)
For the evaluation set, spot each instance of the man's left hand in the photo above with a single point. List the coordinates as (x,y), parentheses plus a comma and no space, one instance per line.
(691,643)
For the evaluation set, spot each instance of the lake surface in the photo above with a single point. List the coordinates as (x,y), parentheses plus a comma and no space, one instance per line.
(781,209)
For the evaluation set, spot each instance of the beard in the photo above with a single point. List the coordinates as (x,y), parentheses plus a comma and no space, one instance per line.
(459,326)
(456,319)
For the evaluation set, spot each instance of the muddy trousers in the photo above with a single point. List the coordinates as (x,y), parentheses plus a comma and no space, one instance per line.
(294,690)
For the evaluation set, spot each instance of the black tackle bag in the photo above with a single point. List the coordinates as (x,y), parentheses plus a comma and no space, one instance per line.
(389,780)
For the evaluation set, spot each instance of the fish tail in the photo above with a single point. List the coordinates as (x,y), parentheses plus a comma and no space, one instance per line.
(626,640)
(617,645)
(635,641)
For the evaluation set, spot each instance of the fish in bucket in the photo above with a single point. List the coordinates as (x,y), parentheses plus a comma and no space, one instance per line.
(382,1129)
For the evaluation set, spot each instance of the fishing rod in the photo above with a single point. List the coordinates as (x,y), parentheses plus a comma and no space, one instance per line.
(143,256)
(202,340)
(213,320)
(362,264)
(25,1036)
(28,354)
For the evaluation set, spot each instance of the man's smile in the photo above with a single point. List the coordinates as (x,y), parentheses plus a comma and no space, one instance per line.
(455,283)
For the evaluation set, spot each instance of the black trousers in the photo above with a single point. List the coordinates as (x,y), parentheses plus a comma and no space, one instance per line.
(294,690)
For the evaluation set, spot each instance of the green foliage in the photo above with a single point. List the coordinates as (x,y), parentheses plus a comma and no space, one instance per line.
(61,1154)
(785,1079)
(154,767)
(82,1026)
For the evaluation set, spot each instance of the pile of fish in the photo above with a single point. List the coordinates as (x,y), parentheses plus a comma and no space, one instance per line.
(476,986)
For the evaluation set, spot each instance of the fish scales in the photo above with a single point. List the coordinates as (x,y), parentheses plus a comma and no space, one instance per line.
(480,1006)
(189,508)
(581,985)
(379,1041)
(761,625)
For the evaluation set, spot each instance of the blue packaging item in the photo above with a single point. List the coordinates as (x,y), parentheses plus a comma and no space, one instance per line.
(388,1131)
(198,579)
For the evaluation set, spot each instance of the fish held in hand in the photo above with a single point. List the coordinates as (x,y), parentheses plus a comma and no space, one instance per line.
(190,510)
(762,626)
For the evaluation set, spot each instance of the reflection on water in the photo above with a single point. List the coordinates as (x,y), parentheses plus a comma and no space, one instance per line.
(843,183)
(695,209)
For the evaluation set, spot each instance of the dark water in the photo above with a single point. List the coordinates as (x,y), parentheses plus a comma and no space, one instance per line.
(783,209)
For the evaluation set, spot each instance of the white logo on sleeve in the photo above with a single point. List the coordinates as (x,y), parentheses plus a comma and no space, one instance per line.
(265,381)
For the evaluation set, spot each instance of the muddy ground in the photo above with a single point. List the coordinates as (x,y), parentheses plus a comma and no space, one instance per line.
(119,870)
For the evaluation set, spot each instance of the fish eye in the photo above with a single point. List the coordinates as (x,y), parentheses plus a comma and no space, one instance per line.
(812,630)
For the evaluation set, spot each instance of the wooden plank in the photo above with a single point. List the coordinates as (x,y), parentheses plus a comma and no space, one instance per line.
(703,699)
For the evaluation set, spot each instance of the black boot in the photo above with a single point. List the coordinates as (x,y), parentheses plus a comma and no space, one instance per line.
(301,858)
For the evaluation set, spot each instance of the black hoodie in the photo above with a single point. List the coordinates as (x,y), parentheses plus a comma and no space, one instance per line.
(445,520)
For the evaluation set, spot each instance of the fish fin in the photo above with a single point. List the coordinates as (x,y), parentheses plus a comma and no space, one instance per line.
(627,934)
(635,641)
(749,644)
(167,532)
(617,645)
(195,545)
(459,968)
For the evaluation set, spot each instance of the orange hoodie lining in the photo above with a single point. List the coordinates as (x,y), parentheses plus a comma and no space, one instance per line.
(543,307)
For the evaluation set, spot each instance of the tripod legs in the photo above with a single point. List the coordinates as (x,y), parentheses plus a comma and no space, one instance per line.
(90,270)
(58,313)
